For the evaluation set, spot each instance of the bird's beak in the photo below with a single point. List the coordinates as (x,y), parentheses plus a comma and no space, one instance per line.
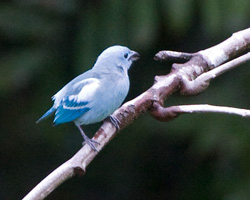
(134,56)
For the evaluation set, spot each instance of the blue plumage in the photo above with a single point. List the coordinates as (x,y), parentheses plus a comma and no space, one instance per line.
(95,94)
(47,114)
(68,115)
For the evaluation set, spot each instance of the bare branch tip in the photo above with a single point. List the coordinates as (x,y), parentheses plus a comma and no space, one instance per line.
(160,56)
(173,56)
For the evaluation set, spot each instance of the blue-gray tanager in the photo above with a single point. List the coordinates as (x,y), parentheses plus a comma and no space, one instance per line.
(95,94)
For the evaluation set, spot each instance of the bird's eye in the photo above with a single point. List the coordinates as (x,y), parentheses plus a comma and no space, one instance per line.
(125,55)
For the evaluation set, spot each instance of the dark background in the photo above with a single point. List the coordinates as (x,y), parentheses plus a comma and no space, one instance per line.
(45,43)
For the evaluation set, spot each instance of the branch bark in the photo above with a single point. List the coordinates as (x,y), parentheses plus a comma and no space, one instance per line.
(170,113)
(185,78)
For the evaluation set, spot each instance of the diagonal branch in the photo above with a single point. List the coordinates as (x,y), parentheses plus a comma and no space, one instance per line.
(177,80)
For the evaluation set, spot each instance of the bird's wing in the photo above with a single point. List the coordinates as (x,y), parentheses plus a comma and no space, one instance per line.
(77,101)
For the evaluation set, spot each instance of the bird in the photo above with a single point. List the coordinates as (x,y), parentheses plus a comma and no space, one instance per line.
(95,94)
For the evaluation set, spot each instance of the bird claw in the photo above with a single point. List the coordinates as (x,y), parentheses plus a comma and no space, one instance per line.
(115,121)
(91,143)
(88,141)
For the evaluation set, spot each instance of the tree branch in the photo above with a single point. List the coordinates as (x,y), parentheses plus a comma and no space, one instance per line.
(170,113)
(192,87)
(205,108)
(177,80)
(173,56)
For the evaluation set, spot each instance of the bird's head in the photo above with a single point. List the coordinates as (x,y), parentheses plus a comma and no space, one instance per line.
(116,57)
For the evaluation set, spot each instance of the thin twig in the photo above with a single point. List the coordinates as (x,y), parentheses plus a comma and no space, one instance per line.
(170,113)
(205,108)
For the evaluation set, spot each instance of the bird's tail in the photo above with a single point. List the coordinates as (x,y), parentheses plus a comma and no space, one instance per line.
(47,114)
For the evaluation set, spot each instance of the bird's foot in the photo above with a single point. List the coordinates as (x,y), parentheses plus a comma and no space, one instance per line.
(90,142)
(115,121)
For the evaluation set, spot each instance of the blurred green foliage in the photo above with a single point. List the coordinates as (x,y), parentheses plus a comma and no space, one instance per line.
(44,44)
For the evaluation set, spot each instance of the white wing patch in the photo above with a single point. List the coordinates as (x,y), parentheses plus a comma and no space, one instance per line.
(87,91)
(90,80)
